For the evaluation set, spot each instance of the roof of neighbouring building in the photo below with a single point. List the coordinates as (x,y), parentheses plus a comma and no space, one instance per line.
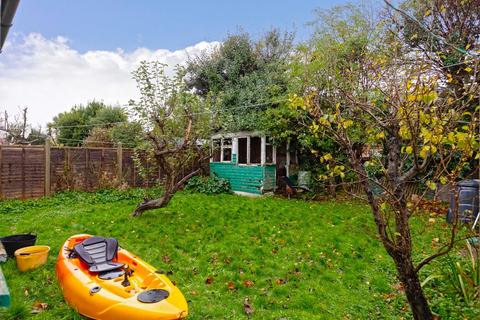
(7,12)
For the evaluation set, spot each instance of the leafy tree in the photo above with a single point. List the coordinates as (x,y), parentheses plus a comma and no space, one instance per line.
(387,108)
(129,134)
(72,127)
(446,33)
(243,78)
(108,117)
(37,137)
(99,137)
(177,126)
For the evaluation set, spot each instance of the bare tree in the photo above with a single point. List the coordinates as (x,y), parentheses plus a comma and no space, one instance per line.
(177,125)
(16,128)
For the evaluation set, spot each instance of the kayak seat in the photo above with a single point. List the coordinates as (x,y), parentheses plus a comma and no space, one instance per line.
(98,253)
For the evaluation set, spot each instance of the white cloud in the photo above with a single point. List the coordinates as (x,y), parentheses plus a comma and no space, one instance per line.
(49,77)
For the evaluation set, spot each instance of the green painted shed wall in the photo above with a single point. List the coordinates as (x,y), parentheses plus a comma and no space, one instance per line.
(246,178)
(4,294)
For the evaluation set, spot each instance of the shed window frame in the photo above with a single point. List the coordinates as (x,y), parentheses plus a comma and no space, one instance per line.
(222,144)
(249,159)
(247,151)
(224,147)
(264,141)
(216,147)
(270,143)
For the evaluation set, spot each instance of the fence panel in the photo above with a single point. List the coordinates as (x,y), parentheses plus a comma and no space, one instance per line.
(22,171)
(35,171)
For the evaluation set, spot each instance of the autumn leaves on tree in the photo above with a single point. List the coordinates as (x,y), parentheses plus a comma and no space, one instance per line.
(396,112)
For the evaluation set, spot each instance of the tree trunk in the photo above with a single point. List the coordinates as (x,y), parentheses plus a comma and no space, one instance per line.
(153,204)
(413,288)
(171,187)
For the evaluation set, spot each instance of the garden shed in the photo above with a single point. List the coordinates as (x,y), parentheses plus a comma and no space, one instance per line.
(250,161)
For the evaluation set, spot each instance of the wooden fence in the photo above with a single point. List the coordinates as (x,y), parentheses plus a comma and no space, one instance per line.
(35,171)
(357,189)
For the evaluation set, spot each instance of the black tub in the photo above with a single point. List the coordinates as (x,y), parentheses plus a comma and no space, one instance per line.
(17,241)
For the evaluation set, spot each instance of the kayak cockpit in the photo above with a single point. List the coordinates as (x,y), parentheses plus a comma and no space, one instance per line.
(103,281)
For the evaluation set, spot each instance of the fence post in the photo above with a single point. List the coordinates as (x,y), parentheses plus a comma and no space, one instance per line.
(47,167)
(23,174)
(119,162)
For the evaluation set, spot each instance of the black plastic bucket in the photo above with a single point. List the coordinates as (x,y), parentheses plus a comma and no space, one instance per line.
(18,241)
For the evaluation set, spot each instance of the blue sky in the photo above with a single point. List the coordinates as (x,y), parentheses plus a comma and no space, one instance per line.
(111,24)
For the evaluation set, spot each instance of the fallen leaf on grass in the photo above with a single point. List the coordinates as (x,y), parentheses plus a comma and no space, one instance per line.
(166,259)
(247,307)
(248,283)
(231,285)
(39,307)
(209,280)
(280,281)
(388,296)
(398,286)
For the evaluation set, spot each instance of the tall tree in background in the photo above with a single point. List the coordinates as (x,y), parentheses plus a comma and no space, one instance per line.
(177,125)
(243,78)
(72,127)
(445,32)
(388,109)
(96,125)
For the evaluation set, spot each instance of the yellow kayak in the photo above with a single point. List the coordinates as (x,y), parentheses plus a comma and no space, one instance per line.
(104,282)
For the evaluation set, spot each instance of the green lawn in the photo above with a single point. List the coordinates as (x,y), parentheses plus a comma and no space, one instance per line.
(293,259)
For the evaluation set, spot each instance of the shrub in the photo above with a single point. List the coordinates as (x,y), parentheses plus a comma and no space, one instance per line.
(208,185)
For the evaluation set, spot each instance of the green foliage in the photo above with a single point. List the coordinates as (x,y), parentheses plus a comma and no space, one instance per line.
(129,134)
(73,126)
(243,78)
(308,268)
(108,117)
(37,137)
(464,275)
(70,198)
(388,110)
(17,311)
(178,123)
(208,185)
(167,106)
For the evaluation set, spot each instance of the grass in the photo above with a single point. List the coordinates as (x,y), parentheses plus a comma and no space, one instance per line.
(293,259)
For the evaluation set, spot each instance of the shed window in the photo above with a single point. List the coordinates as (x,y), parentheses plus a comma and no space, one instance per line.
(242,151)
(216,150)
(227,149)
(269,151)
(255,150)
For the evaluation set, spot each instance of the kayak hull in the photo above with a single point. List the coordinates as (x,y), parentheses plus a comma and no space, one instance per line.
(109,299)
